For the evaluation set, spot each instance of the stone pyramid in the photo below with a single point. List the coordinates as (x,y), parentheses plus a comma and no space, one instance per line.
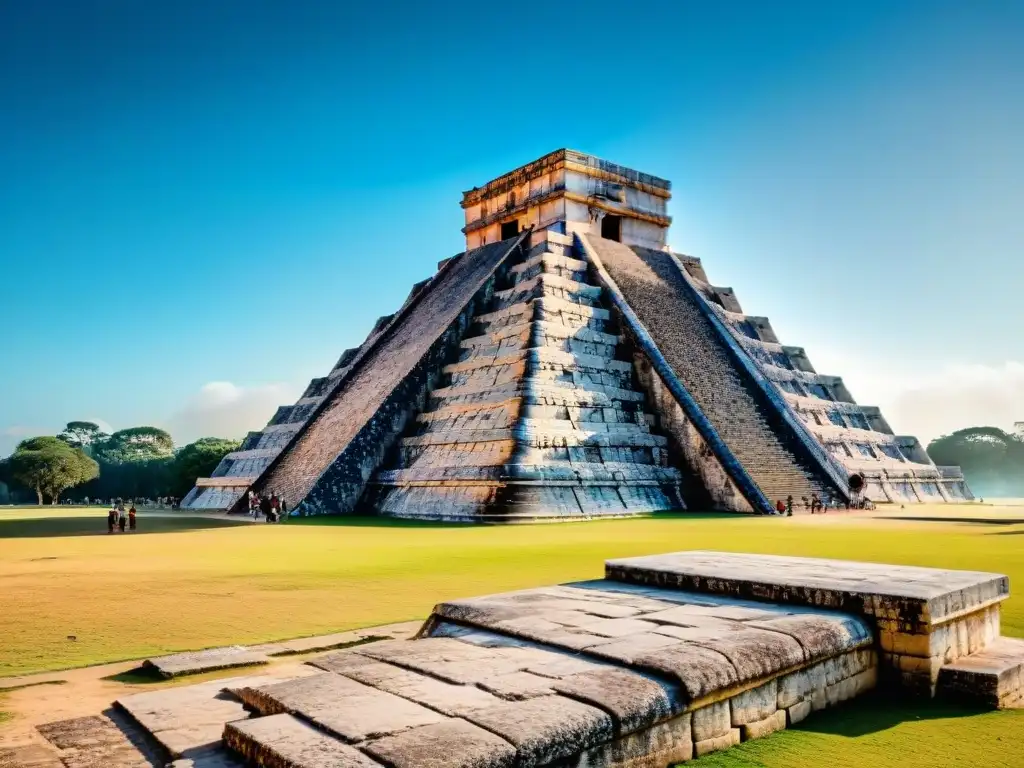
(569,365)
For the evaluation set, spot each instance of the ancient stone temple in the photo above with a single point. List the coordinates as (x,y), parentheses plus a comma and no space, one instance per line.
(569,365)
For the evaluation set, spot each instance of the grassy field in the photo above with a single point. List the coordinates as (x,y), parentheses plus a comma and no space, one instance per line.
(204,582)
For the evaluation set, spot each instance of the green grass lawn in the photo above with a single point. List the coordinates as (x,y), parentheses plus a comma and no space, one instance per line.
(204,582)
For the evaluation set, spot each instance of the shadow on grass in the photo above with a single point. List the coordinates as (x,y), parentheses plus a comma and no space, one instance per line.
(974,520)
(878,712)
(366,521)
(138,676)
(10,688)
(87,526)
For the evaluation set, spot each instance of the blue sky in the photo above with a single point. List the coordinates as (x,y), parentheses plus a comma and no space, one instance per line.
(204,203)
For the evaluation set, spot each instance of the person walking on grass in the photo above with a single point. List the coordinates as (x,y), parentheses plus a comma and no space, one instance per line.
(111,519)
(131,518)
(122,519)
(284,510)
(266,508)
(275,505)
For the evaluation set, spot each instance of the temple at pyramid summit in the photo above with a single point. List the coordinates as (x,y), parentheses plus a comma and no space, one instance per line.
(569,365)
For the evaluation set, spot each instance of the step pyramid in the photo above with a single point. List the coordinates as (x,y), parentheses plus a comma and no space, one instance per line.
(569,365)
(538,416)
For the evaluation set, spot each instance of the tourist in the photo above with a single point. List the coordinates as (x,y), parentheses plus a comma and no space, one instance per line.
(284,509)
(131,518)
(111,519)
(789,506)
(122,519)
(266,509)
(275,505)
(780,507)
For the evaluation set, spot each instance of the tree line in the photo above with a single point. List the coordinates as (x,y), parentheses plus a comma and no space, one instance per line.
(83,462)
(992,459)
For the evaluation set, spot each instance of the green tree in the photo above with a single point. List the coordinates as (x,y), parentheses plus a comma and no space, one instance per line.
(992,460)
(135,444)
(49,465)
(198,459)
(82,434)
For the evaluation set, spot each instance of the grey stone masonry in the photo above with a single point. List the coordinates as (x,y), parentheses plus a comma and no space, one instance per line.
(669,658)
(924,618)
(328,462)
(654,286)
(538,417)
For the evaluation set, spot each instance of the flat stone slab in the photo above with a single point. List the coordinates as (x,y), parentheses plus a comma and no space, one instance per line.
(89,742)
(190,718)
(452,744)
(284,741)
(918,596)
(336,640)
(210,660)
(342,707)
(706,644)
(993,677)
(29,756)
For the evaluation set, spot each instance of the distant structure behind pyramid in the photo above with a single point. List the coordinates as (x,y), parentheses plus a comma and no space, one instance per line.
(568,365)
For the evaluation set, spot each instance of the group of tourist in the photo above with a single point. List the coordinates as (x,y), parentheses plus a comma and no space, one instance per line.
(118,519)
(269,505)
(818,503)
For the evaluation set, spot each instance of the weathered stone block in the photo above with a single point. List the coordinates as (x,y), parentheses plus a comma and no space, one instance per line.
(794,687)
(667,743)
(754,705)
(798,712)
(634,701)
(773,722)
(451,744)
(345,708)
(283,741)
(711,721)
(730,739)
(546,729)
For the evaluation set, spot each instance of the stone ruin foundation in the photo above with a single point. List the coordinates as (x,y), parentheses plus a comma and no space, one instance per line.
(667,658)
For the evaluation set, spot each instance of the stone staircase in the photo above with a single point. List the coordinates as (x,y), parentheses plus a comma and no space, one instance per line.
(538,417)
(739,411)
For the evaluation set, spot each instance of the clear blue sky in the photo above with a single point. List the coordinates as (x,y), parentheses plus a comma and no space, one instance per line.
(204,203)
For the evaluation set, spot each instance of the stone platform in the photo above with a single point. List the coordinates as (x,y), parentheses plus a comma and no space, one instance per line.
(665,659)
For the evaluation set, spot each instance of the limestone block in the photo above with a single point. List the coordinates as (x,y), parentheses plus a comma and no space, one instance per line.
(195,662)
(667,743)
(700,671)
(618,627)
(634,701)
(517,685)
(345,708)
(711,721)
(821,635)
(451,744)
(547,728)
(629,650)
(794,688)
(798,712)
(757,653)
(755,730)
(447,698)
(562,665)
(754,705)
(283,741)
(730,739)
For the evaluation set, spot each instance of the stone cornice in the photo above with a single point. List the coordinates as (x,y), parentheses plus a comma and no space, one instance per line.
(570,160)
